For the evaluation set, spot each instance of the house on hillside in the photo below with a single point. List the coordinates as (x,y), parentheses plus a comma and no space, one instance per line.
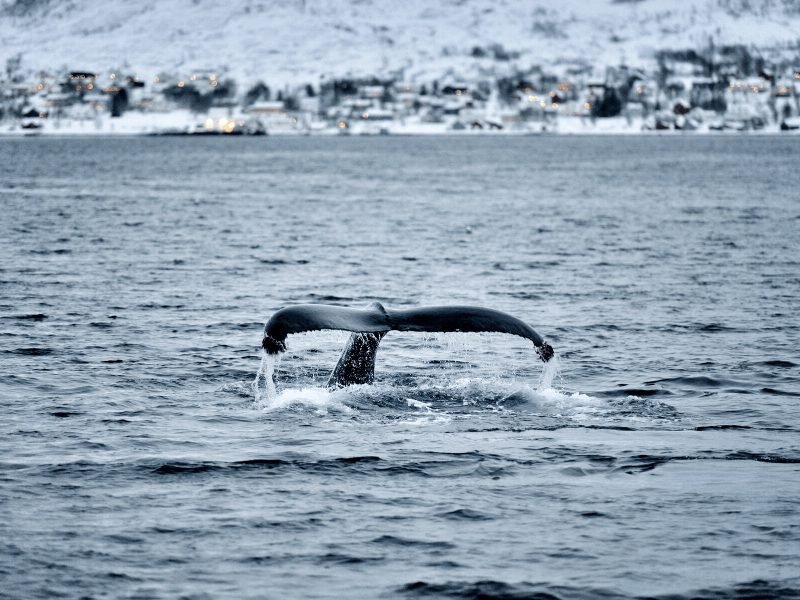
(373,92)
(333,92)
(274,117)
(455,89)
(80,82)
(267,108)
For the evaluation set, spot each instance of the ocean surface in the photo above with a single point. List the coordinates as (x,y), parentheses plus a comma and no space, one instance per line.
(658,456)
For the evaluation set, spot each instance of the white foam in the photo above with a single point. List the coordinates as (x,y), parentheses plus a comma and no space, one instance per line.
(497,393)
(426,415)
(561,403)
(319,399)
(419,404)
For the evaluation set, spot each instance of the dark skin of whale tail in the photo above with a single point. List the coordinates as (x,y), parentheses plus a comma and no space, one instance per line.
(370,324)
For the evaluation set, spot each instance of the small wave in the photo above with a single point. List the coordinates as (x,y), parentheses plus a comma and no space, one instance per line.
(721,427)
(227,325)
(156,306)
(699,381)
(465,514)
(714,327)
(638,392)
(319,466)
(325,298)
(758,588)
(30,317)
(32,351)
(642,463)
(63,414)
(777,392)
(181,468)
(46,251)
(391,540)
(281,261)
(500,590)
(767,458)
(521,295)
(783,364)
(348,559)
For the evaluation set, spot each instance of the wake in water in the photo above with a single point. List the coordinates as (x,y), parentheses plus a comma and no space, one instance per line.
(442,398)
(446,396)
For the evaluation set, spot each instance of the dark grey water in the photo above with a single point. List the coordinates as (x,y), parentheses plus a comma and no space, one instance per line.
(137,274)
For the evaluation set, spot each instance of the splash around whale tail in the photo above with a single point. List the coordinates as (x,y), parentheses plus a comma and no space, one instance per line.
(370,324)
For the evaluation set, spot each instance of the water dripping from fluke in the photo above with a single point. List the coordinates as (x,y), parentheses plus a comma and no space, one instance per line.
(266,392)
(550,370)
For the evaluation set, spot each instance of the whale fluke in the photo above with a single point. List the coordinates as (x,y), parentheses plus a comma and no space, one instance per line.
(370,324)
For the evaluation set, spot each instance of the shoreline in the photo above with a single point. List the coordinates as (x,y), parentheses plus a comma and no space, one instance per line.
(777,133)
(185,124)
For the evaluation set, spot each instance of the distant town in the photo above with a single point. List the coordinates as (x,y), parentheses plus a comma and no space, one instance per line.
(729,88)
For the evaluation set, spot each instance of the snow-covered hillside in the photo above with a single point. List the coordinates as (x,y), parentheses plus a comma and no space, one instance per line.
(296,41)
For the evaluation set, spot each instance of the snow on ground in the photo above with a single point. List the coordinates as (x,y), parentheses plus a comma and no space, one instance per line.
(297,41)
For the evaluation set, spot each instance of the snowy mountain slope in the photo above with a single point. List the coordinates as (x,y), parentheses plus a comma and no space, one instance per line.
(295,41)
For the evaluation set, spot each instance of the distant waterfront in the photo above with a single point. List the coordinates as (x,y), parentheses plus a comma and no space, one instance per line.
(182,123)
(723,90)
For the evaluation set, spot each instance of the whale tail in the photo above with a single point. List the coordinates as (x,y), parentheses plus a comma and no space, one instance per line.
(369,325)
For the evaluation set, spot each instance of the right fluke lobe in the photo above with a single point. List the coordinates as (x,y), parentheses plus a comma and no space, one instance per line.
(545,351)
